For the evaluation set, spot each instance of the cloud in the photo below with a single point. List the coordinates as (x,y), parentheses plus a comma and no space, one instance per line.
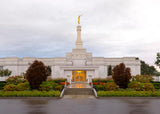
(110,28)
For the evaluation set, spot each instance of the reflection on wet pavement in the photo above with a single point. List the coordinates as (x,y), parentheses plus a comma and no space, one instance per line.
(79,106)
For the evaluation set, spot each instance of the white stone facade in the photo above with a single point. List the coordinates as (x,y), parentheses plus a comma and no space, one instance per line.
(78,59)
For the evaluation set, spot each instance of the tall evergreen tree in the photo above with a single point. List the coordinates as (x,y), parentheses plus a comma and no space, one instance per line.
(157,62)
(146,69)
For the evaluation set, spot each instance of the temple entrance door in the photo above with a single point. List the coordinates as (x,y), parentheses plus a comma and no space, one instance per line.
(79,76)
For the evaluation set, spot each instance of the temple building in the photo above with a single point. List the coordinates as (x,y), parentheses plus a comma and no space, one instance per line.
(77,66)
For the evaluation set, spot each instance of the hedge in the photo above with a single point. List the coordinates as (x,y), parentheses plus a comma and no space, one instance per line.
(128,94)
(99,80)
(2,84)
(99,87)
(156,85)
(58,80)
(30,93)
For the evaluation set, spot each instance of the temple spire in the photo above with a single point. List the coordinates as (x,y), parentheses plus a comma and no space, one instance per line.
(79,43)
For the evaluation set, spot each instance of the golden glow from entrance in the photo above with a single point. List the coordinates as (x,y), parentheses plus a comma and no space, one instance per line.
(79,71)
(79,76)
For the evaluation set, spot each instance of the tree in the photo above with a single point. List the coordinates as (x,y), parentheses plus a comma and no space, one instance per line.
(109,70)
(48,70)
(121,75)
(147,69)
(36,74)
(157,62)
(5,72)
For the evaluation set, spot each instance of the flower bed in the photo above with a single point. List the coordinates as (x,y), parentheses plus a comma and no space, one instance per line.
(97,83)
(128,94)
(63,83)
(29,94)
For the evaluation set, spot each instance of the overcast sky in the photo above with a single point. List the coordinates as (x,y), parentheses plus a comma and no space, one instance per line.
(110,28)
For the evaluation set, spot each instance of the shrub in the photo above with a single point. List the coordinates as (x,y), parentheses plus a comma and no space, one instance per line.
(29,94)
(127,93)
(127,89)
(121,75)
(10,87)
(156,85)
(99,80)
(141,86)
(148,87)
(110,86)
(23,86)
(135,85)
(58,80)
(142,78)
(15,80)
(47,85)
(36,74)
(2,84)
(58,88)
(99,87)
(50,80)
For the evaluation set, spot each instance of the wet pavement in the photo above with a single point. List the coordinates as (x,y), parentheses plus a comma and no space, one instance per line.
(80,106)
(79,97)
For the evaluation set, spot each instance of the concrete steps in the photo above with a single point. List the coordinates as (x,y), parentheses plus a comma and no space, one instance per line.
(78,91)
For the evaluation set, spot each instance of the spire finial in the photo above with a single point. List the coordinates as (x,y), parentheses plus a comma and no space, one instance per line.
(79,18)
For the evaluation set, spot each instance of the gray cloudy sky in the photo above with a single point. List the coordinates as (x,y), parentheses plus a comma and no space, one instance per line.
(110,28)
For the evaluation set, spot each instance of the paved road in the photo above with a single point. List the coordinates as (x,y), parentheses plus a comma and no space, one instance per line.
(80,106)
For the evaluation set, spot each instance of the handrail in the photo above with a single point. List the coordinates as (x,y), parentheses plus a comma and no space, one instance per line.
(95,93)
(62,93)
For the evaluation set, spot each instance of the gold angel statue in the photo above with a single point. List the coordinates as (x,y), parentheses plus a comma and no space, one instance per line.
(79,19)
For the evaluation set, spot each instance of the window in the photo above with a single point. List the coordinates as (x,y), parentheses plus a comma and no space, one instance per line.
(1,67)
(109,70)
(49,70)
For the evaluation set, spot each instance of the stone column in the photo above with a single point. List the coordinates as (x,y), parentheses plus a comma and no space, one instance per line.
(79,43)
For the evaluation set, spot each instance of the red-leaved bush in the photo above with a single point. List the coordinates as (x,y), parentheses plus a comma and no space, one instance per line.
(36,74)
(121,75)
